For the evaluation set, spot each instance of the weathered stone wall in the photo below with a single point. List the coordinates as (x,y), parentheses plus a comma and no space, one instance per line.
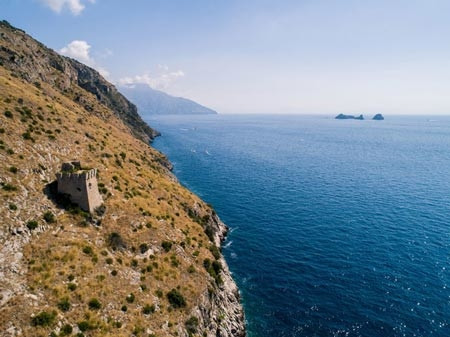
(82,188)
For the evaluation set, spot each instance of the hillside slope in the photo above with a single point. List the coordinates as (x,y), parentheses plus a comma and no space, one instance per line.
(155,102)
(32,61)
(149,264)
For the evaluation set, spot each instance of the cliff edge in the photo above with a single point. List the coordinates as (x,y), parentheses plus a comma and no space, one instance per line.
(146,263)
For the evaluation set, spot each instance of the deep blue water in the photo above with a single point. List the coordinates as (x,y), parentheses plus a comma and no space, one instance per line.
(339,227)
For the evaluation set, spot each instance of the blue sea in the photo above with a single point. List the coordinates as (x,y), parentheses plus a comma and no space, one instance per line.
(338,227)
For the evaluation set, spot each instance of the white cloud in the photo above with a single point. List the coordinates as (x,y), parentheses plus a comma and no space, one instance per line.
(162,80)
(79,50)
(75,6)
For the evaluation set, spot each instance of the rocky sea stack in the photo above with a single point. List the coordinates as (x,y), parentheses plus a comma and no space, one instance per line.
(147,262)
(378,117)
(342,116)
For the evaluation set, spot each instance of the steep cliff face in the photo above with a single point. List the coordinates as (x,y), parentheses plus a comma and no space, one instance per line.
(35,63)
(148,264)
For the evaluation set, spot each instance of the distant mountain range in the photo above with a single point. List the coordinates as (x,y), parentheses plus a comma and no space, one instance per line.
(154,102)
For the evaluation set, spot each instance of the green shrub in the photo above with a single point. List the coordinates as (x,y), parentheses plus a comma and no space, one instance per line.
(130,298)
(115,241)
(49,217)
(27,136)
(13,207)
(2,130)
(175,298)
(88,250)
(143,247)
(66,330)
(94,304)
(191,325)
(214,270)
(64,304)
(148,309)
(166,245)
(8,114)
(114,273)
(10,151)
(124,308)
(84,326)
(32,224)
(72,286)
(9,187)
(44,318)
(214,251)
(13,169)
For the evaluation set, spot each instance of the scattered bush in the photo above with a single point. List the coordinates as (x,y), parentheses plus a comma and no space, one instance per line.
(49,217)
(148,309)
(124,308)
(9,187)
(94,304)
(44,318)
(130,298)
(64,304)
(84,326)
(214,270)
(214,251)
(27,136)
(8,114)
(32,224)
(13,169)
(115,241)
(114,273)
(13,207)
(175,298)
(88,250)
(143,247)
(72,286)
(66,330)
(166,245)
(191,325)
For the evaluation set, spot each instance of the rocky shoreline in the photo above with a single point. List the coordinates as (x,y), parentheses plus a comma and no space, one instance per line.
(221,311)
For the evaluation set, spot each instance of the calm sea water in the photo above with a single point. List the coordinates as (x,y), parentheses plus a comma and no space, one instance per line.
(339,227)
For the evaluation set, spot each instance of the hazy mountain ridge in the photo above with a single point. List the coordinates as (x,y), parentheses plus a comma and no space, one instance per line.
(154,102)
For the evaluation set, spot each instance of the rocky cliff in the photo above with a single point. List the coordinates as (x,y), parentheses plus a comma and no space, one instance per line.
(147,264)
(35,63)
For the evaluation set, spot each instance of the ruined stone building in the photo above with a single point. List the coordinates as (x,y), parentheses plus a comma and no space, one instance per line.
(80,184)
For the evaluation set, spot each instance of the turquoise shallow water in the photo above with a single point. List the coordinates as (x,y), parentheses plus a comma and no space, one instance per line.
(339,227)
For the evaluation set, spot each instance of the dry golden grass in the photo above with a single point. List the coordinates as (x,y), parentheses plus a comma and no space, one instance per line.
(143,204)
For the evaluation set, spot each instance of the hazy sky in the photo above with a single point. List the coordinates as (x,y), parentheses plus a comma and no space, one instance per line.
(299,56)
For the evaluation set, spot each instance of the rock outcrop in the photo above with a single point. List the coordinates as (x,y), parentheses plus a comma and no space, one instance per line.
(378,117)
(342,116)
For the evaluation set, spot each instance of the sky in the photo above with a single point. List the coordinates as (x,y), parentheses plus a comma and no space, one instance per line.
(265,56)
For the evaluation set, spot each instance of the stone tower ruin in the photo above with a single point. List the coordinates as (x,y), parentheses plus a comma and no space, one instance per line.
(80,185)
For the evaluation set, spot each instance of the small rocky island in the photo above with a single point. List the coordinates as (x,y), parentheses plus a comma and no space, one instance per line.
(378,117)
(342,116)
